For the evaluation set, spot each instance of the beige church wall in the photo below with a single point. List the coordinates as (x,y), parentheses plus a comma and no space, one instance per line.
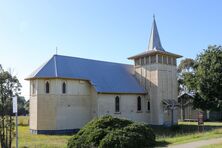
(74,87)
(94,108)
(46,112)
(160,80)
(55,109)
(128,107)
(73,112)
(148,74)
(167,89)
(33,112)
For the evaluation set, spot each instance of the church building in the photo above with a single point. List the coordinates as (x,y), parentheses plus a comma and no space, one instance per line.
(67,92)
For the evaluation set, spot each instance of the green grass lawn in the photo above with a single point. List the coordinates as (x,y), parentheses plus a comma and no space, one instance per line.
(187,132)
(26,139)
(183,133)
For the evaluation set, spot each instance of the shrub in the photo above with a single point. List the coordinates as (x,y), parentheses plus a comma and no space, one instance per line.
(133,135)
(110,132)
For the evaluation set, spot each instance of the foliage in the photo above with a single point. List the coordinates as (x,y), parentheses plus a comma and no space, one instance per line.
(186,65)
(22,109)
(203,77)
(9,87)
(112,132)
(208,79)
(185,71)
(134,135)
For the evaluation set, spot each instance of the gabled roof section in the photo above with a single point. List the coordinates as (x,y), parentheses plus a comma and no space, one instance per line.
(154,42)
(106,77)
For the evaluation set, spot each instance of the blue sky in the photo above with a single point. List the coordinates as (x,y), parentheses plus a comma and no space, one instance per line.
(109,30)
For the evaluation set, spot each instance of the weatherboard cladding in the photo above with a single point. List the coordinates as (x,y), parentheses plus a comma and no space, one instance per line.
(106,77)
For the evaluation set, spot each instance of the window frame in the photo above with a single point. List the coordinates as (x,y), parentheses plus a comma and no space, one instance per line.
(148,106)
(117,104)
(33,89)
(139,104)
(153,59)
(64,87)
(47,87)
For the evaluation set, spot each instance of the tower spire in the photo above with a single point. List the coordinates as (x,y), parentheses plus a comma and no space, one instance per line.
(154,41)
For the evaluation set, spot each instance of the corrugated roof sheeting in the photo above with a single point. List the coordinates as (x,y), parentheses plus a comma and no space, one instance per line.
(106,77)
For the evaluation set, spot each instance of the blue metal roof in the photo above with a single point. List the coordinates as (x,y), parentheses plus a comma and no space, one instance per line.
(106,77)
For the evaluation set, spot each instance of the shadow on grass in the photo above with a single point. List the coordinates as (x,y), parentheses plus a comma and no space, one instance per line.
(161,143)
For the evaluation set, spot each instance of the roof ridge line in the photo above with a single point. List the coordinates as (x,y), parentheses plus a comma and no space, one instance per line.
(55,64)
(95,60)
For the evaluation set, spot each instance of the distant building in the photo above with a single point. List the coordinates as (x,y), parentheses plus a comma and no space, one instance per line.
(188,113)
(67,92)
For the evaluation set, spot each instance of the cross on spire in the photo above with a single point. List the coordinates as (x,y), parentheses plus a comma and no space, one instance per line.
(154,41)
(56,50)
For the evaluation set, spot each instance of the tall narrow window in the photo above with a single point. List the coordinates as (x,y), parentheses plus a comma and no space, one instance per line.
(33,87)
(47,87)
(164,59)
(142,61)
(139,103)
(174,61)
(148,106)
(160,60)
(147,60)
(117,104)
(63,87)
(153,59)
(169,60)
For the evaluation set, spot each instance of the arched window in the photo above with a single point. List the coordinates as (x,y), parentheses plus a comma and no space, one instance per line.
(47,87)
(139,103)
(117,104)
(63,87)
(148,106)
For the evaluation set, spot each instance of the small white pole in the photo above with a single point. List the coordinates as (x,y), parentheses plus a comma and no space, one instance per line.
(16,129)
(15,110)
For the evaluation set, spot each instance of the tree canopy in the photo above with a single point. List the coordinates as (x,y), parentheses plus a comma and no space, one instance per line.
(186,65)
(9,87)
(186,72)
(206,79)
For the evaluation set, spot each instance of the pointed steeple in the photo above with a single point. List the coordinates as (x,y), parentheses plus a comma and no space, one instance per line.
(154,42)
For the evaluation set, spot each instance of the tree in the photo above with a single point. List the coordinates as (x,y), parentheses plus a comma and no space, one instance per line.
(185,71)
(21,106)
(207,80)
(9,87)
(186,65)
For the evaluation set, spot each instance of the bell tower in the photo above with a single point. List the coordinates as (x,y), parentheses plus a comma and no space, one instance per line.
(156,71)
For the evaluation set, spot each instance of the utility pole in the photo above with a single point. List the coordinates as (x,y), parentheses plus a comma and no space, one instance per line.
(15,110)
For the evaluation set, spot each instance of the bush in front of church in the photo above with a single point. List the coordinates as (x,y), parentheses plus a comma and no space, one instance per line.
(110,132)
